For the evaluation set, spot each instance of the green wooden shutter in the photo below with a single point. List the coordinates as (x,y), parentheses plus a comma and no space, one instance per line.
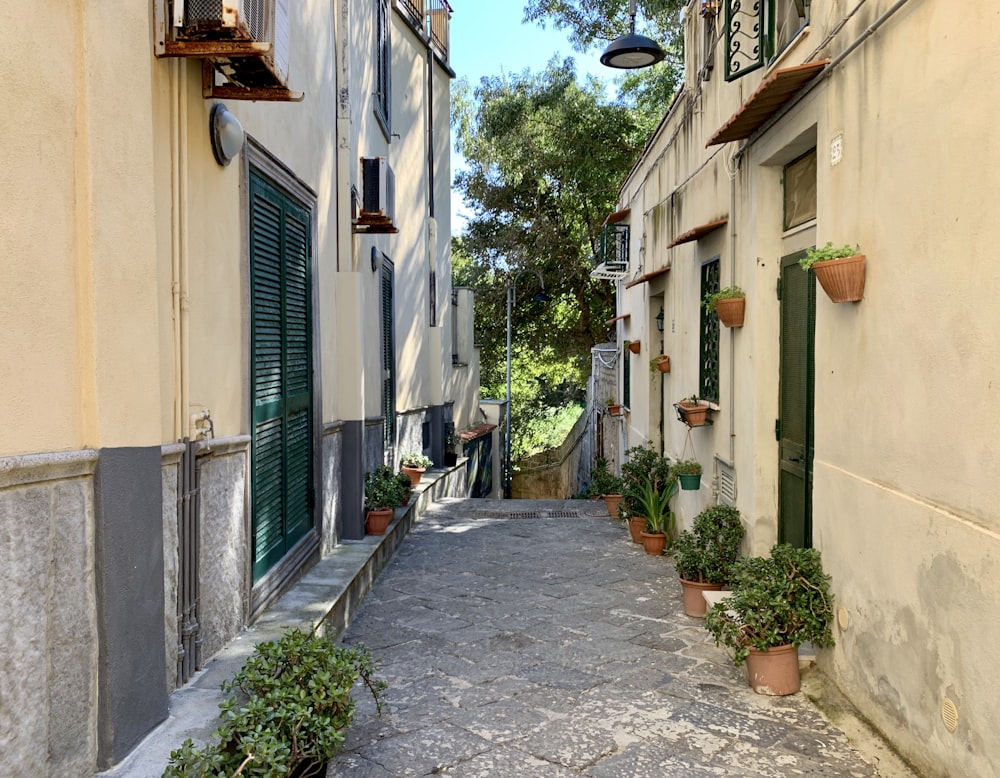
(627,378)
(281,359)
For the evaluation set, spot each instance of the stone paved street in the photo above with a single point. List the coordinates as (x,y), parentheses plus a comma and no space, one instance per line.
(544,643)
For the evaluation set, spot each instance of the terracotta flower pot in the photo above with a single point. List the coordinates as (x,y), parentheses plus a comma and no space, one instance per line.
(691,414)
(378,521)
(636,525)
(662,363)
(415,474)
(731,311)
(615,410)
(634,346)
(694,601)
(842,279)
(653,543)
(612,501)
(775,671)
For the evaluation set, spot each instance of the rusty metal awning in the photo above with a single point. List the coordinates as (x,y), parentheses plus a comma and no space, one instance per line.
(618,216)
(648,277)
(772,94)
(696,233)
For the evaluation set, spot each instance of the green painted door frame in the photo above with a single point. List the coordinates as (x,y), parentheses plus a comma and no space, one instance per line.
(794,429)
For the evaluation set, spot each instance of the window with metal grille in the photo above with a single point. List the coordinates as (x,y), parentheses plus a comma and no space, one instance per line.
(388,360)
(757,31)
(708,374)
(613,248)
(383,61)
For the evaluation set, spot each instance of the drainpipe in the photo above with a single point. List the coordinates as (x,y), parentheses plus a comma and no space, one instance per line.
(732,348)
(343,176)
(178,245)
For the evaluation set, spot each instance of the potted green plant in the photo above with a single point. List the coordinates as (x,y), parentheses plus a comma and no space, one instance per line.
(290,707)
(654,502)
(729,304)
(614,408)
(405,484)
(414,465)
(840,271)
(777,603)
(383,494)
(605,484)
(641,464)
(688,471)
(703,555)
(693,411)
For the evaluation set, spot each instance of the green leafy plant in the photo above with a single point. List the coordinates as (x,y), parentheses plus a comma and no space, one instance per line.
(777,600)
(707,551)
(641,464)
(383,490)
(654,503)
(602,480)
(405,486)
(729,293)
(828,251)
(415,459)
(291,705)
(686,467)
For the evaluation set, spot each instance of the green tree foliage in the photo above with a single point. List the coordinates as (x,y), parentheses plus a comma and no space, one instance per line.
(593,24)
(545,157)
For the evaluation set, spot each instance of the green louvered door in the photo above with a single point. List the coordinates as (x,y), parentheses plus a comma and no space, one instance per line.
(795,425)
(282,372)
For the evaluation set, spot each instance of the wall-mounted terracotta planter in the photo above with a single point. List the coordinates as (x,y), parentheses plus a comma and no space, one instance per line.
(634,346)
(842,279)
(662,363)
(615,410)
(691,414)
(731,311)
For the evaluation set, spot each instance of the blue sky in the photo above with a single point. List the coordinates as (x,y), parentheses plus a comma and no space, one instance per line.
(488,39)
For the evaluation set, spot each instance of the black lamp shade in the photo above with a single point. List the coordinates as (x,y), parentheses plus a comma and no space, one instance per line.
(632,51)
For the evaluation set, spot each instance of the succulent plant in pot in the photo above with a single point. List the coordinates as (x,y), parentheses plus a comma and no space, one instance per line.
(777,603)
(704,555)
(688,471)
(605,484)
(414,465)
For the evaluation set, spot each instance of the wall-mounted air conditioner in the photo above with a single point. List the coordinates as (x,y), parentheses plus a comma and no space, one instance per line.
(232,22)
(378,195)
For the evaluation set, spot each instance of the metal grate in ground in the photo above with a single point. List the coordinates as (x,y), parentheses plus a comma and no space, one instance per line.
(526,515)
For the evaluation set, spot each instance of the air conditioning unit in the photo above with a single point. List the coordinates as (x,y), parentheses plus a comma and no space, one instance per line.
(256,21)
(378,194)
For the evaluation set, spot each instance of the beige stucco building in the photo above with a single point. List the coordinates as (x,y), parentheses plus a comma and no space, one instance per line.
(837,424)
(202,360)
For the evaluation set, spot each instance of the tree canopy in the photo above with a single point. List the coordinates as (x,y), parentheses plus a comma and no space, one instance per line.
(545,156)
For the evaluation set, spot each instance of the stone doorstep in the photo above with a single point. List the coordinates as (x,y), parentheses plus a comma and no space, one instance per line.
(331,590)
(807,651)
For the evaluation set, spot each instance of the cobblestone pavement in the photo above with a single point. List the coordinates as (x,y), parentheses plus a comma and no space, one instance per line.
(543,642)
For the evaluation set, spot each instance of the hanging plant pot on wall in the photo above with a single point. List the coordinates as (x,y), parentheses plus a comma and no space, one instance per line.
(634,346)
(731,311)
(692,413)
(661,363)
(842,279)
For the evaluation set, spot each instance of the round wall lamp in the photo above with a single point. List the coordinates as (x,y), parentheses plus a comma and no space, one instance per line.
(226,133)
(632,51)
